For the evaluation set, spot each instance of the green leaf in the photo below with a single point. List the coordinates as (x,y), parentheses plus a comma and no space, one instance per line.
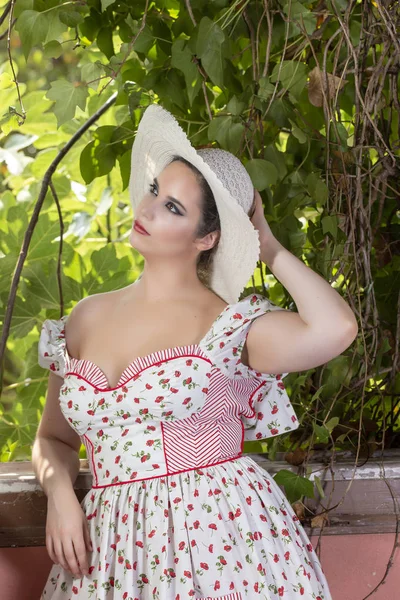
(330,225)
(67,96)
(145,40)
(227,133)
(90,73)
(182,59)
(105,41)
(235,106)
(125,168)
(295,485)
(53,49)
(33,27)
(265,89)
(262,173)
(209,48)
(292,75)
(106,3)
(72,18)
(298,133)
(96,159)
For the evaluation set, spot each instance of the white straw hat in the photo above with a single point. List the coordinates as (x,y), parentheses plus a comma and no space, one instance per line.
(159,137)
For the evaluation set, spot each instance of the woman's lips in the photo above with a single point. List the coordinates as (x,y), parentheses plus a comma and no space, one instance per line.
(140,229)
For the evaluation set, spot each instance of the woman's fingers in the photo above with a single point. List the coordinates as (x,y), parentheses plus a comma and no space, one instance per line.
(72,559)
(81,555)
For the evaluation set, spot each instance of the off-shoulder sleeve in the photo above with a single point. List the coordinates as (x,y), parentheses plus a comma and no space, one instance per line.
(267,410)
(264,405)
(52,345)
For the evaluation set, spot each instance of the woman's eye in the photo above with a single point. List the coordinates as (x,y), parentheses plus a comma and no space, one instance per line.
(172,204)
(153,187)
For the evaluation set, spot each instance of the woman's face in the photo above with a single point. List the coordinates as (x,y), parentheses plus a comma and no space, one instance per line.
(172,224)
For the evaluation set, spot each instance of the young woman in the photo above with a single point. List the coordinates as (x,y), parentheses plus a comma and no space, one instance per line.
(165,379)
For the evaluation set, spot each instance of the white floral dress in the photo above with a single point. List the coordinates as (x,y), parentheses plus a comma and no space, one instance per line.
(176,511)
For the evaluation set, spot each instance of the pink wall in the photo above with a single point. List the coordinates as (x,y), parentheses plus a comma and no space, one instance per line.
(353,565)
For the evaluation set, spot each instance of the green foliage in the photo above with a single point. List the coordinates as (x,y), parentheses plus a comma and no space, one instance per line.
(321,155)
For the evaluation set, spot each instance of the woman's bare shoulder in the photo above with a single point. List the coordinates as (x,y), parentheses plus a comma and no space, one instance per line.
(82,317)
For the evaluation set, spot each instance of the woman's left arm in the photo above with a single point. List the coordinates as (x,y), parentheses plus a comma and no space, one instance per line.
(323,327)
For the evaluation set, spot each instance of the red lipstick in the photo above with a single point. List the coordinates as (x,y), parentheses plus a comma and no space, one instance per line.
(140,228)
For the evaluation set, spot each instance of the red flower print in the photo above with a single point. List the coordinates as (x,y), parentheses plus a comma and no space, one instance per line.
(101,401)
(177,374)
(227,548)
(181,545)
(217,585)
(139,543)
(149,442)
(237,316)
(285,532)
(90,412)
(275,409)
(145,579)
(120,559)
(212,526)
(119,398)
(274,431)
(152,533)
(69,404)
(123,434)
(204,566)
(100,433)
(187,574)
(105,419)
(211,548)
(173,390)
(148,386)
(117,459)
(189,362)
(75,589)
(196,524)
(222,560)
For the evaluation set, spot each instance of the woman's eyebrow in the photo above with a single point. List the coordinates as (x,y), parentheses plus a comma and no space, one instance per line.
(171,198)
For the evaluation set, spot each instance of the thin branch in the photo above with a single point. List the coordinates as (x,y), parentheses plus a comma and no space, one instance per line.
(32,224)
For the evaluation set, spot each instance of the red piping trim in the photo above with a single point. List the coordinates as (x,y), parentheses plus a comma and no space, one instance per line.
(164,360)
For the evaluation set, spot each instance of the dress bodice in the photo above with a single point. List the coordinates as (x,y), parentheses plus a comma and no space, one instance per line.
(172,410)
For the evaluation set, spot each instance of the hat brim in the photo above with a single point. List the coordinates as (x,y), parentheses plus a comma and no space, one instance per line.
(159,136)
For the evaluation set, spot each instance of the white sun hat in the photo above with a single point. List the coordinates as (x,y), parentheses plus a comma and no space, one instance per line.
(159,137)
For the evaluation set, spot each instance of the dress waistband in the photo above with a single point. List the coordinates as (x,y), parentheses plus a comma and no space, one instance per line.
(168,474)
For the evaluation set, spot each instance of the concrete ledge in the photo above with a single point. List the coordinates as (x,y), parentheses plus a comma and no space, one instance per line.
(368,504)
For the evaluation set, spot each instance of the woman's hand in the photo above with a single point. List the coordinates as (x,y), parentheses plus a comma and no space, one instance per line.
(259,221)
(67,534)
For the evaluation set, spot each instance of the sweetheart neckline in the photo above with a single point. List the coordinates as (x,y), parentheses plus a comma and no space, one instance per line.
(140,358)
